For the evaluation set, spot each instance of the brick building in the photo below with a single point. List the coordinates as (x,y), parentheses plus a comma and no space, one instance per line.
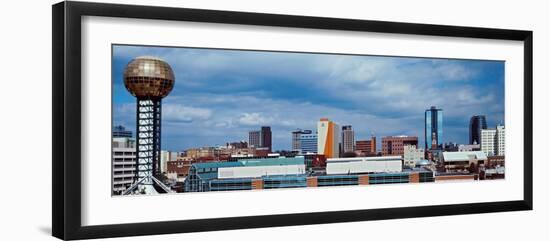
(395,145)
(366,147)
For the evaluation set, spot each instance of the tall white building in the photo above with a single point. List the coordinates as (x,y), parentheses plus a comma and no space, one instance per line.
(493,141)
(328,135)
(501,140)
(124,163)
(411,155)
(165,157)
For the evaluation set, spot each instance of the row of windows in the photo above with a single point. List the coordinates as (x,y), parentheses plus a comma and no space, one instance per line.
(118,179)
(337,180)
(206,170)
(125,166)
(388,179)
(426,177)
(146,79)
(285,182)
(229,185)
(120,153)
(125,160)
(123,172)
(194,184)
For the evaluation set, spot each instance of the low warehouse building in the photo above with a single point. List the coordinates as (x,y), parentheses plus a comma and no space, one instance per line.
(255,168)
(290,173)
(463,161)
(246,174)
(354,165)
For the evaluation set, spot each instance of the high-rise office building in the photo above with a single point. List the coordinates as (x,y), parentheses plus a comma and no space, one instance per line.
(296,140)
(254,138)
(265,137)
(477,123)
(366,147)
(305,137)
(308,143)
(501,140)
(260,138)
(493,141)
(395,145)
(328,138)
(348,139)
(433,128)
(124,164)
(488,140)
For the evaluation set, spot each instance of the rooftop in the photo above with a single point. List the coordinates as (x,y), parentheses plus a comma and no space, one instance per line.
(359,159)
(216,164)
(254,162)
(400,136)
(464,155)
(273,161)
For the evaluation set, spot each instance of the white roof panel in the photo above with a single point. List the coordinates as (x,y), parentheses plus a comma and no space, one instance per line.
(463,155)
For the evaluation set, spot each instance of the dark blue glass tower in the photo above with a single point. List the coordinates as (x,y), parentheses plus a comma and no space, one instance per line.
(433,128)
(477,122)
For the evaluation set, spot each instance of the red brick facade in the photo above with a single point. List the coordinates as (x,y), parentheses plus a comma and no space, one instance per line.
(395,145)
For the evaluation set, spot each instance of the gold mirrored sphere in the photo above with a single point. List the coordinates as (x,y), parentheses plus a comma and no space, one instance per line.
(148,77)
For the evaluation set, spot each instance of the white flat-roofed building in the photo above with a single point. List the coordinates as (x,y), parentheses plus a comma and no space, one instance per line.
(364,165)
(124,163)
(463,155)
(259,171)
(461,161)
(255,168)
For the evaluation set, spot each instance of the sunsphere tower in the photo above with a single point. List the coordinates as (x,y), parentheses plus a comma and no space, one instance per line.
(149,79)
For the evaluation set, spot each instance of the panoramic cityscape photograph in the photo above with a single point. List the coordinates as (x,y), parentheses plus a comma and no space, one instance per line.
(202,120)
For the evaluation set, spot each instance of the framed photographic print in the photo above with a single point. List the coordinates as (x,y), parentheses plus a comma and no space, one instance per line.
(170,120)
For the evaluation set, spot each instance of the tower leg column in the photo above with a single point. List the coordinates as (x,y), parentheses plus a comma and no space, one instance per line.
(145,141)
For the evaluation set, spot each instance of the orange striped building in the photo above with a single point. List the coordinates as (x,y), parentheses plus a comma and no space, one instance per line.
(328,142)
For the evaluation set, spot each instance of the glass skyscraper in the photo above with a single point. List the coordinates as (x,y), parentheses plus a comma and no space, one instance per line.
(477,123)
(433,128)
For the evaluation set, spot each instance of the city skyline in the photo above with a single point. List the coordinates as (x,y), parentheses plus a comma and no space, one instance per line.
(221,95)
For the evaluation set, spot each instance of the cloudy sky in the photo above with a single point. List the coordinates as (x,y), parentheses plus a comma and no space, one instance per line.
(220,95)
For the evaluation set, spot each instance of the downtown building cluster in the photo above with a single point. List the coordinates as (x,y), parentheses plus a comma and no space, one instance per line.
(328,156)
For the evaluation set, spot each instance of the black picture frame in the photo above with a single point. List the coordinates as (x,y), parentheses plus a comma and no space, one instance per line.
(66,122)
